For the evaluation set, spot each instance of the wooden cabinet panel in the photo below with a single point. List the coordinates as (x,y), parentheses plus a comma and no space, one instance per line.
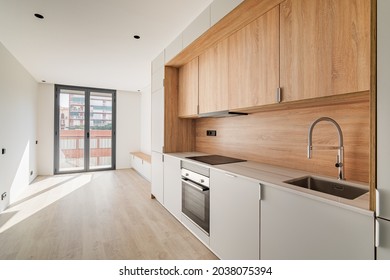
(178,133)
(243,14)
(213,78)
(188,89)
(325,47)
(254,62)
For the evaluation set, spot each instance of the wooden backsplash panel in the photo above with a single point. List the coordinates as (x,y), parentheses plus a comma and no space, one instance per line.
(280,138)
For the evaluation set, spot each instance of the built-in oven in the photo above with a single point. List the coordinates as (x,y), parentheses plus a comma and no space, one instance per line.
(196,197)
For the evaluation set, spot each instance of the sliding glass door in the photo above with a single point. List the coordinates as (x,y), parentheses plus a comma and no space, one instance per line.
(84,129)
(100,137)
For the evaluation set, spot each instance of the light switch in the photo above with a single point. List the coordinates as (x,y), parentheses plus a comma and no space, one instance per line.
(211,133)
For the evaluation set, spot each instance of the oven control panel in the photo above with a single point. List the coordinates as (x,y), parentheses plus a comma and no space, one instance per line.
(195,177)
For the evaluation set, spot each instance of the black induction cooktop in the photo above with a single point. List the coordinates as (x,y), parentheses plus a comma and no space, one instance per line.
(216,159)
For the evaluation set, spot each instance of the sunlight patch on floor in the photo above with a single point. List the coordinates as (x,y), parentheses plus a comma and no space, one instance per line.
(41,194)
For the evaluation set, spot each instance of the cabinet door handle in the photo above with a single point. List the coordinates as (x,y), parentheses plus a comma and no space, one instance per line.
(260,188)
(195,186)
(230,175)
(278,95)
(377,201)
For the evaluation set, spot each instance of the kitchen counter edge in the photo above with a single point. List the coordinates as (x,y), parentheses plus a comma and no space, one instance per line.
(274,176)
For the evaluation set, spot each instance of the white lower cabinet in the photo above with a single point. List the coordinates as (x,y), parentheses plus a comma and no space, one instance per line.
(234,216)
(383,242)
(298,227)
(157,188)
(172,185)
(136,163)
(146,170)
(142,167)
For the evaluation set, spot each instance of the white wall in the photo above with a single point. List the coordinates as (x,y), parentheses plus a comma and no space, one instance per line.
(18,115)
(146,120)
(45,129)
(128,129)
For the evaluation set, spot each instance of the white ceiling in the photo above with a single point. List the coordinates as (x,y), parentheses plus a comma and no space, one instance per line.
(90,42)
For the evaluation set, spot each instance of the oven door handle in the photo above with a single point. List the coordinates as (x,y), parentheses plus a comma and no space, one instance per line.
(195,186)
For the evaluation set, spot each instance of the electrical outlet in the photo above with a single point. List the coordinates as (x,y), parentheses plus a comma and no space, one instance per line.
(4,195)
(211,133)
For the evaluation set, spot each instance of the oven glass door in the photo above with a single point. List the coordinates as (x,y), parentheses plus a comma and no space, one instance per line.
(196,204)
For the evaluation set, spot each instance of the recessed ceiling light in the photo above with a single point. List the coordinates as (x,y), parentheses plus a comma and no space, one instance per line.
(39,16)
(137,37)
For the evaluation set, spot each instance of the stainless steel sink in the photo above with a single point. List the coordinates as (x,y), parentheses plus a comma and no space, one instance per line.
(339,189)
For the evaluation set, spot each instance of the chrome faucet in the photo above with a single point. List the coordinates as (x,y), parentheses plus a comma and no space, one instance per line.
(340,154)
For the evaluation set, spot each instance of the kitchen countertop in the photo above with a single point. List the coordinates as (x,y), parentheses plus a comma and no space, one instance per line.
(275,176)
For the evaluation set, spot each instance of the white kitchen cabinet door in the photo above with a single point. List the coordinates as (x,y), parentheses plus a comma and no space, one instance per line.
(146,170)
(383,234)
(383,112)
(298,227)
(158,79)
(200,25)
(158,62)
(158,176)
(158,121)
(157,106)
(383,131)
(220,8)
(174,48)
(172,185)
(234,216)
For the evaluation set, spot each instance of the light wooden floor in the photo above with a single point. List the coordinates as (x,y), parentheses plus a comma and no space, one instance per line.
(101,215)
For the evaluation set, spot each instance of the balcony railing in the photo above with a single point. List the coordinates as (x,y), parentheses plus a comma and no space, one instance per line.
(72,148)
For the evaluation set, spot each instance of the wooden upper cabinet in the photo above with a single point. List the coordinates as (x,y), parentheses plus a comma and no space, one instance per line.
(254,62)
(188,89)
(325,47)
(213,79)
